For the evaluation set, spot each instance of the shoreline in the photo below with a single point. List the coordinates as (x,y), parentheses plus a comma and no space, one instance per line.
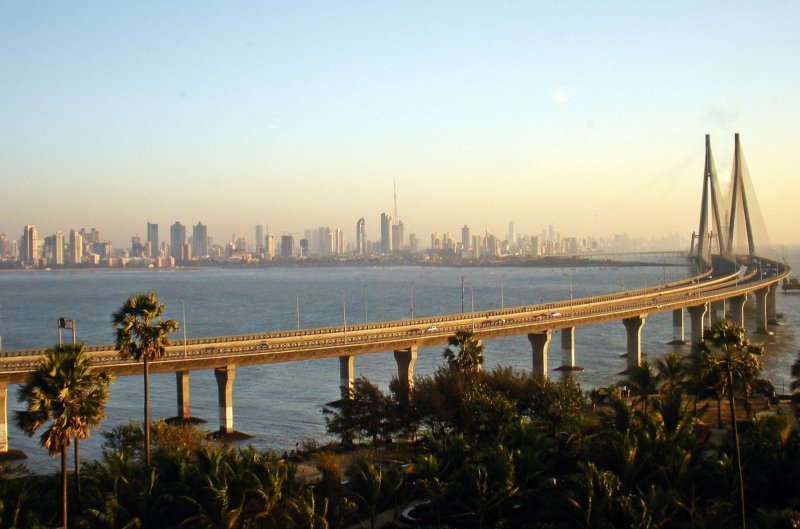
(541,262)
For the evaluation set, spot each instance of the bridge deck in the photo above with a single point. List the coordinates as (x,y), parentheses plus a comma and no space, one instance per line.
(330,342)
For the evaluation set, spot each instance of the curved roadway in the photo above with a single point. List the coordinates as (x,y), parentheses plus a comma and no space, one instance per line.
(330,342)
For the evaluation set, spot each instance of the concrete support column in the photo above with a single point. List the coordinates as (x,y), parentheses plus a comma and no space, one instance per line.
(346,375)
(568,349)
(225,376)
(3,417)
(696,314)
(539,342)
(182,379)
(737,308)
(678,336)
(717,311)
(772,305)
(406,358)
(761,310)
(634,326)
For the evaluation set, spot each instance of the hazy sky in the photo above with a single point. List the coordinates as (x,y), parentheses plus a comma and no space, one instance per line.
(589,116)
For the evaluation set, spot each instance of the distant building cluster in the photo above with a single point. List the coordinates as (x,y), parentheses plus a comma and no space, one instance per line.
(187,247)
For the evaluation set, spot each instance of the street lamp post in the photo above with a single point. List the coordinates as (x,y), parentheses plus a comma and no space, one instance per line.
(462,294)
(411,301)
(297,307)
(365,304)
(344,316)
(472,300)
(183,310)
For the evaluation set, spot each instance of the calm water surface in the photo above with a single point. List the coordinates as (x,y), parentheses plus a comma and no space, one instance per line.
(280,404)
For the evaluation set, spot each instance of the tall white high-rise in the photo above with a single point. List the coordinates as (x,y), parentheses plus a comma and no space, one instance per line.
(75,247)
(361,237)
(58,250)
(29,245)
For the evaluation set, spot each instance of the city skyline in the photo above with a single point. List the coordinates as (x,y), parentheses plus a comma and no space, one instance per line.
(582,115)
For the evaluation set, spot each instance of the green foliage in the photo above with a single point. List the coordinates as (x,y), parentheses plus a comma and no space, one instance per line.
(138,335)
(364,412)
(67,393)
(464,353)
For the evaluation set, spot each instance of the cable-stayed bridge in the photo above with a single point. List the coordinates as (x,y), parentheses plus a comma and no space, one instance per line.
(725,280)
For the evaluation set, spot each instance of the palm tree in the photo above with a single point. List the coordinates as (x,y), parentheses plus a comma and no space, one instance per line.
(671,371)
(64,391)
(737,360)
(643,383)
(141,337)
(796,373)
(464,352)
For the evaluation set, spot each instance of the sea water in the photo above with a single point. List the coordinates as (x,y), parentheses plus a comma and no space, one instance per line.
(280,404)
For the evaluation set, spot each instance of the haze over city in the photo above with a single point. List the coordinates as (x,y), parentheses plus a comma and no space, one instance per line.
(586,116)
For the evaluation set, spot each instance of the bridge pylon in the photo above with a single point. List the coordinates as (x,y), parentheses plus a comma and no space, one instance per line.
(711,226)
(739,197)
(706,234)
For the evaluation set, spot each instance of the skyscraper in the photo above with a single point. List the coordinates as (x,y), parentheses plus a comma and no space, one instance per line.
(152,240)
(75,248)
(177,238)
(398,237)
(29,245)
(512,234)
(269,245)
(361,237)
(199,241)
(58,250)
(386,233)
(466,241)
(287,245)
(338,243)
(259,244)
(324,241)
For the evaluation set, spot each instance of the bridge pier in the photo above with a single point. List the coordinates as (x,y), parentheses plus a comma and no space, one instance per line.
(678,336)
(346,375)
(182,379)
(772,305)
(568,350)
(539,342)
(3,417)
(696,314)
(737,308)
(225,376)
(406,358)
(717,311)
(761,310)
(634,326)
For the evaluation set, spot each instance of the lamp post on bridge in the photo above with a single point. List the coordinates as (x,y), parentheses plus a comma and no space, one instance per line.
(411,300)
(569,275)
(462,294)
(297,307)
(365,304)
(472,301)
(344,315)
